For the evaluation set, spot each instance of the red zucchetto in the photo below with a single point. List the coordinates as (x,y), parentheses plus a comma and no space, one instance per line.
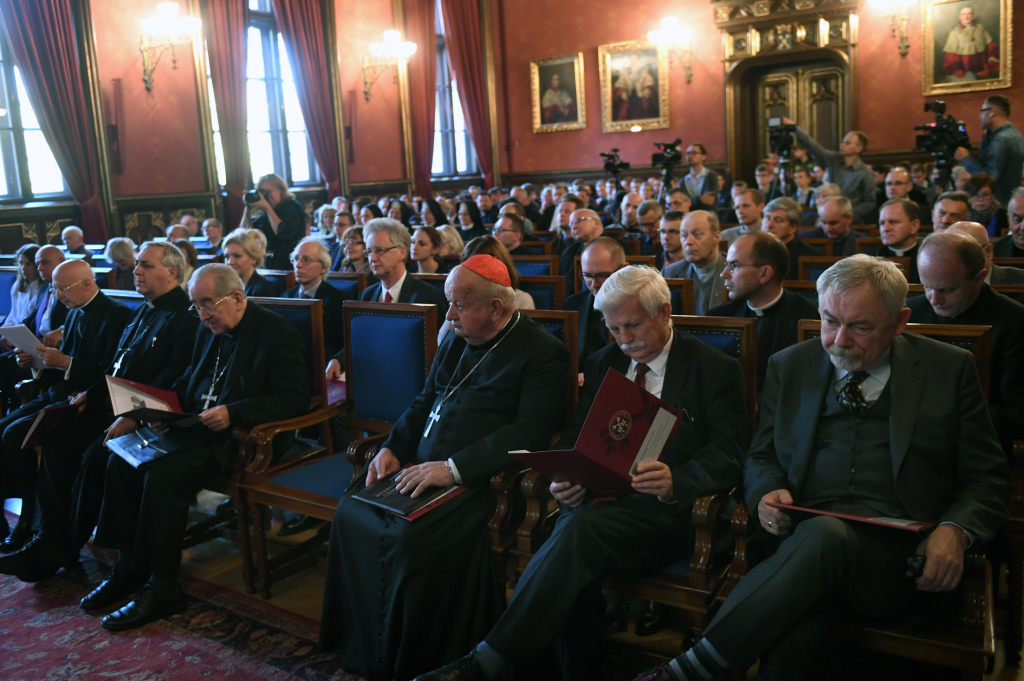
(488,267)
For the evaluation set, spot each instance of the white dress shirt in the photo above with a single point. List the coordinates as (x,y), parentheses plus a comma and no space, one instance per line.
(395,290)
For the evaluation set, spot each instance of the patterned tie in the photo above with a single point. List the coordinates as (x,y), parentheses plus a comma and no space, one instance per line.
(851,397)
(641,374)
(387,297)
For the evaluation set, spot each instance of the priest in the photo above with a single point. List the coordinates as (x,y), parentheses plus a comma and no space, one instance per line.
(155,349)
(404,597)
(247,368)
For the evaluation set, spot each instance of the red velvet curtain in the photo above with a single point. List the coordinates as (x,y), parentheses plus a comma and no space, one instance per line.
(421,29)
(226,25)
(42,37)
(301,24)
(463,39)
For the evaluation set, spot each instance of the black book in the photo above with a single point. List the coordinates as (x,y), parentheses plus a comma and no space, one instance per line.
(143,447)
(384,494)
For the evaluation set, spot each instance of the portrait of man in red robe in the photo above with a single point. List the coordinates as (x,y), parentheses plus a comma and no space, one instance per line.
(970,52)
(558,104)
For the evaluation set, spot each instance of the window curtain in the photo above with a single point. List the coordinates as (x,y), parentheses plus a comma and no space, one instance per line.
(301,24)
(226,25)
(42,37)
(421,29)
(463,40)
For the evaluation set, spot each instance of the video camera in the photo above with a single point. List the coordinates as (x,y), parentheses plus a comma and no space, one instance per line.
(780,137)
(942,138)
(613,165)
(669,156)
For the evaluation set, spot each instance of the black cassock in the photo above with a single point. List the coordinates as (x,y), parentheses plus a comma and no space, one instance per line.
(403,598)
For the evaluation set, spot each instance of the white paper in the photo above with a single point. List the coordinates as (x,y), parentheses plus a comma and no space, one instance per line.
(656,438)
(125,399)
(20,337)
(894,521)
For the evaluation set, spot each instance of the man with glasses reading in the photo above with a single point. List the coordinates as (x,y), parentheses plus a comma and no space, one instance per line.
(387,246)
(93,326)
(249,367)
(154,349)
(601,258)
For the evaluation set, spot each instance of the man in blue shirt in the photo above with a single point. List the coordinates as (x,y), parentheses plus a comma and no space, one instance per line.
(1001,152)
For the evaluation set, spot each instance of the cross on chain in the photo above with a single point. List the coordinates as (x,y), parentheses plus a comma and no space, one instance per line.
(432,418)
(117,364)
(209,397)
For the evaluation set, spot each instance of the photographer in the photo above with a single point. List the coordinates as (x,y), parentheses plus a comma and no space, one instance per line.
(855,179)
(1001,152)
(283,221)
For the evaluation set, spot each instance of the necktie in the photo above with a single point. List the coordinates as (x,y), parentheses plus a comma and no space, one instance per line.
(306,295)
(387,297)
(641,376)
(851,396)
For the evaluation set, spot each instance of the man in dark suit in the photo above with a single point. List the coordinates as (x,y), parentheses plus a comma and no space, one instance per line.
(866,421)
(585,226)
(997,274)
(952,267)
(753,277)
(312,261)
(387,245)
(213,230)
(835,215)
(782,218)
(898,223)
(1011,245)
(558,598)
(154,349)
(949,209)
(74,240)
(601,258)
(248,367)
(92,329)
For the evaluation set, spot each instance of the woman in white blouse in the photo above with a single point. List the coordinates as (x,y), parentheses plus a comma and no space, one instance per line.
(27,290)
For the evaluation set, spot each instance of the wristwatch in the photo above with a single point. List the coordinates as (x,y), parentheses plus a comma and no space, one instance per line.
(448,465)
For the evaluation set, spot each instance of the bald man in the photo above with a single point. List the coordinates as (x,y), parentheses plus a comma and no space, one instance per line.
(585,226)
(628,219)
(94,325)
(74,241)
(997,275)
(601,258)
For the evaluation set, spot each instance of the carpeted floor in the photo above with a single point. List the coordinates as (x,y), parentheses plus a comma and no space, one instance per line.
(221,635)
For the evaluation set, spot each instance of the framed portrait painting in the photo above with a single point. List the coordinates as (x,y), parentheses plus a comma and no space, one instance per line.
(967,45)
(559,100)
(634,86)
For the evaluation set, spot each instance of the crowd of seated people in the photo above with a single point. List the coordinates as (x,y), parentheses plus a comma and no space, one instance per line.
(498,383)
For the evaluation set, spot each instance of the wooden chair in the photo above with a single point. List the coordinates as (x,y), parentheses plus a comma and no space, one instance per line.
(631,246)
(543,235)
(824,245)
(812,266)
(349,283)
(8,275)
(548,292)
(536,264)
(380,385)
(615,233)
(285,279)
(538,247)
(130,298)
(435,280)
(807,289)
(723,246)
(649,260)
(681,291)
(1008,262)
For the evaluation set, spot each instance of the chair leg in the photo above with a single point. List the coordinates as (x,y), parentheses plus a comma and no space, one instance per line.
(244,544)
(260,548)
(1014,603)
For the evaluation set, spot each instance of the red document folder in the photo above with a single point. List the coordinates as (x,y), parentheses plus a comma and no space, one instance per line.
(626,426)
(141,402)
(48,418)
(895,523)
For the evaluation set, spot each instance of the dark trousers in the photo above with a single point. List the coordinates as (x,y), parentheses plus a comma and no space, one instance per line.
(558,598)
(826,569)
(17,466)
(145,512)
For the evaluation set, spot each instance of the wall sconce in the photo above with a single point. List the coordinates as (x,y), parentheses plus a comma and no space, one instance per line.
(383,56)
(896,11)
(161,33)
(678,41)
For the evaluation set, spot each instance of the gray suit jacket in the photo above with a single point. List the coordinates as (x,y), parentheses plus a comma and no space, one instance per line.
(946,457)
(734,233)
(1006,276)
(686,270)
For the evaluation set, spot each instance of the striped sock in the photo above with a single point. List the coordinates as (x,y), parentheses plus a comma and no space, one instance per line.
(700,663)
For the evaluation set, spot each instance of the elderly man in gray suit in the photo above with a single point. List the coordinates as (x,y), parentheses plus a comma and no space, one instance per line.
(700,233)
(867,421)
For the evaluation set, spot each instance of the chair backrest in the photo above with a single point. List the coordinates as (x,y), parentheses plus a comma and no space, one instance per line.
(1013,291)
(435,280)
(203,259)
(614,232)
(736,337)
(649,260)
(389,348)
(813,266)
(285,279)
(823,244)
(7,260)
(631,246)
(682,295)
(975,339)
(807,289)
(1008,262)
(563,324)
(199,241)
(543,235)
(307,316)
(537,247)
(106,277)
(544,265)
(548,292)
(349,283)
(130,298)
(8,275)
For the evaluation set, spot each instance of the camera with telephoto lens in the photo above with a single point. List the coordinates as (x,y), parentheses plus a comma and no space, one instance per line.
(613,165)
(780,137)
(670,154)
(255,195)
(941,139)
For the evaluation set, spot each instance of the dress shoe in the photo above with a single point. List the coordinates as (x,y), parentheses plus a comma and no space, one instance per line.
(659,674)
(463,669)
(19,536)
(649,621)
(299,523)
(150,604)
(225,506)
(116,586)
(37,560)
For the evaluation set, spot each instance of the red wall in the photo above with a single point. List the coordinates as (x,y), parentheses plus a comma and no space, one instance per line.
(161,148)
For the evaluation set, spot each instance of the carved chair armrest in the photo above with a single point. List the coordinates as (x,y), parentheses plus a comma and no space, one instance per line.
(705,520)
(260,438)
(362,450)
(977,590)
(29,389)
(508,508)
(1017,478)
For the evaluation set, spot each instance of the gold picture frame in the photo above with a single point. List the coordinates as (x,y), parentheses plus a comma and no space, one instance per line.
(631,94)
(955,72)
(566,100)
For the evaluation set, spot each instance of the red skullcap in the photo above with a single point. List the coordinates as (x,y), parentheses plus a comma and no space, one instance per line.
(488,267)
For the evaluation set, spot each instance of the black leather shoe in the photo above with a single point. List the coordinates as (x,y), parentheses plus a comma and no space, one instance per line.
(463,669)
(37,560)
(649,621)
(225,506)
(150,604)
(19,536)
(299,523)
(115,587)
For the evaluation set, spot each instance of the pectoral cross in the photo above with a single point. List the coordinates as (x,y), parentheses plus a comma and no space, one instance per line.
(117,364)
(208,397)
(432,418)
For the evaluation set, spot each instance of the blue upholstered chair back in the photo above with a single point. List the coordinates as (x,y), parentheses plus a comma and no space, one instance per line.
(388,366)
(554,327)
(8,275)
(534,248)
(102,276)
(543,295)
(200,242)
(278,278)
(815,271)
(129,298)
(301,317)
(728,341)
(350,287)
(533,268)
(677,301)
(809,295)
(7,260)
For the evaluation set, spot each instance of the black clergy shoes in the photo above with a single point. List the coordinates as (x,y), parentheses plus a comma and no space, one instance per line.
(39,559)
(463,669)
(156,600)
(19,536)
(118,584)
(649,621)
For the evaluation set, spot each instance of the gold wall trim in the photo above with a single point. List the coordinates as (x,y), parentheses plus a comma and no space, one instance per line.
(490,73)
(398,19)
(337,104)
(210,178)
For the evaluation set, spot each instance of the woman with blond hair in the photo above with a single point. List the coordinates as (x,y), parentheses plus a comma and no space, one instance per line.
(283,221)
(243,252)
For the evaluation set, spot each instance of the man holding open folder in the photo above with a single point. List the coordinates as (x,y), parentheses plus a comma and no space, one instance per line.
(558,599)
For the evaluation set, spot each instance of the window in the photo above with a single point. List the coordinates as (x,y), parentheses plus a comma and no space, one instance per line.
(28,170)
(453,148)
(277,132)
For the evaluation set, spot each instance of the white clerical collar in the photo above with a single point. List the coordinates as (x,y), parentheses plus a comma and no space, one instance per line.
(899,252)
(759,311)
(395,290)
(657,365)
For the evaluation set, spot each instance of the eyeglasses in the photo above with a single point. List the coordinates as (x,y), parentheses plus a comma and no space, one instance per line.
(350,242)
(305,260)
(499,230)
(579,220)
(663,232)
(731,267)
(63,289)
(199,309)
(379,252)
(986,108)
(591,276)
